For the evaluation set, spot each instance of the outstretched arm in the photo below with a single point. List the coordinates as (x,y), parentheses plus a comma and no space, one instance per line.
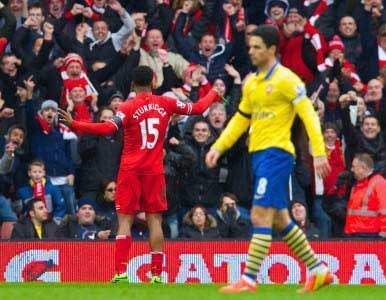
(106,128)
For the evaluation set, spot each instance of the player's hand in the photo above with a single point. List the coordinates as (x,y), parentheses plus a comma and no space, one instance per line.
(65,117)
(212,157)
(322,167)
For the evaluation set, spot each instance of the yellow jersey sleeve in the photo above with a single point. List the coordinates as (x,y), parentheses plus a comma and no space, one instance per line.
(295,91)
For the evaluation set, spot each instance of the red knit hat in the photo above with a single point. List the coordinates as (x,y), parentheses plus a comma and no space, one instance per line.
(75,83)
(73,57)
(336,43)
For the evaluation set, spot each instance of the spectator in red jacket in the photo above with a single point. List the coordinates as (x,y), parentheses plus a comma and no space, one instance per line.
(366,209)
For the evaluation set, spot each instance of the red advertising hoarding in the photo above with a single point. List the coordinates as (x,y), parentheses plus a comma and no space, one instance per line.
(354,262)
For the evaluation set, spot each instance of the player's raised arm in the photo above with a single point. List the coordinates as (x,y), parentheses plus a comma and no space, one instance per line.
(105,128)
(183,108)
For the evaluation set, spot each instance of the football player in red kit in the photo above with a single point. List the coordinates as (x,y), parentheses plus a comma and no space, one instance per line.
(140,182)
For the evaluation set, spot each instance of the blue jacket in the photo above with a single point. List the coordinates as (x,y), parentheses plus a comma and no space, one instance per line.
(51,147)
(53,197)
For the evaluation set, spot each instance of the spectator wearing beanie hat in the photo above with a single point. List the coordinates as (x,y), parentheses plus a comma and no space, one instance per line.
(336,53)
(276,11)
(299,213)
(86,225)
(48,141)
(115,101)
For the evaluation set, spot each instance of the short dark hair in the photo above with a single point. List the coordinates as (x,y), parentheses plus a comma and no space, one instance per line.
(207,34)
(36,5)
(366,159)
(16,126)
(269,34)
(370,117)
(142,76)
(229,195)
(31,204)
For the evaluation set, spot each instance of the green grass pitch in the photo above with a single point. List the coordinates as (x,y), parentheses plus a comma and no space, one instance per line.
(107,291)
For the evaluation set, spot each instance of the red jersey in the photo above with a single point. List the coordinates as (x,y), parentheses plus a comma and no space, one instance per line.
(144,120)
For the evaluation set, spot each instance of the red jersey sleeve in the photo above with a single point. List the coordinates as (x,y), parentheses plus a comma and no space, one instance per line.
(183,108)
(122,116)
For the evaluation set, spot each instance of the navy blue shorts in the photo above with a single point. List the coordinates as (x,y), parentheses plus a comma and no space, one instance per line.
(271,172)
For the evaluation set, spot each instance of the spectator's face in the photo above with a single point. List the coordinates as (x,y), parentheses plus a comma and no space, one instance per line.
(201,132)
(330,136)
(347,26)
(220,86)
(217,118)
(106,115)
(299,213)
(16,6)
(55,7)
(73,70)
(227,202)
(77,94)
(293,17)
(258,51)
(336,54)
(199,218)
(40,212)
(37,14)
(37,46)
(49,115)
(100,30)
(36,173)
(154,39)
(333,93)
(140,21)
(359,169)
(370,128)
(248,30)
(16,137)
(109,195)
(8,66)
(115,104)
(86,215)
(374,90)
(100,3)
(277,13)
(207,45)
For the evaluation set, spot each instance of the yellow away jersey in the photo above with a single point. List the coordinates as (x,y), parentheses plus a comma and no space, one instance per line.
(271,100)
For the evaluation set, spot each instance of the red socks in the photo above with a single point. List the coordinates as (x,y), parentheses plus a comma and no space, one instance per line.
(157,259)
(122,248)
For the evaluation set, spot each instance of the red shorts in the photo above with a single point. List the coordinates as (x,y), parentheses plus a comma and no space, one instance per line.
(136,192)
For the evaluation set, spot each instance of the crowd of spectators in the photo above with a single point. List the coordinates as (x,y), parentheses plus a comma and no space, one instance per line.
(78,55)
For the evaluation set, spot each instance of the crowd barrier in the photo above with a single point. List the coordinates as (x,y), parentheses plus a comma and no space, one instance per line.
(352,262)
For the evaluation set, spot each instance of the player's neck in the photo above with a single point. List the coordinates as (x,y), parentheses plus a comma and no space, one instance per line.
(139,90)
(268,65)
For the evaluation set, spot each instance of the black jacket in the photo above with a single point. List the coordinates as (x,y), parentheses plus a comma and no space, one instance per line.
(231,225)
(25,230)
(188,230)
(203,186)
(100,160)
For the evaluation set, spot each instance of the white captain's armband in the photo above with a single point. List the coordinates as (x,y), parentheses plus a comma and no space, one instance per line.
(301,93)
